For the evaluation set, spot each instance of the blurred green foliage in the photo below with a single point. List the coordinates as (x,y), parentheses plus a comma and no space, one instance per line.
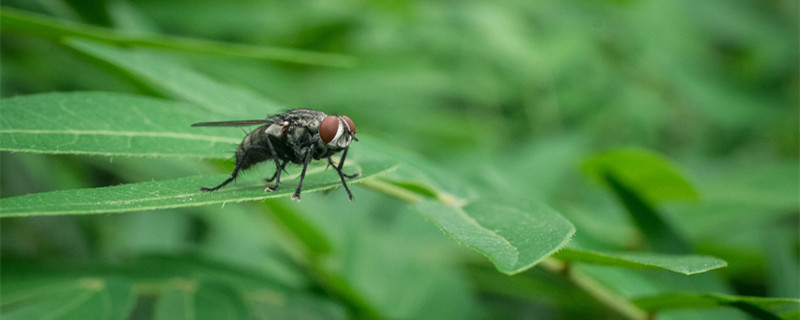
(511,97)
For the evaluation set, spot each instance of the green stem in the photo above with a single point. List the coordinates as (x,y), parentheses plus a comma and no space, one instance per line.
(309,247)
(605,296)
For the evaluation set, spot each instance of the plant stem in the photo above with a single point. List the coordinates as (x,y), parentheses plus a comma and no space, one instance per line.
(605,296)
(309,248)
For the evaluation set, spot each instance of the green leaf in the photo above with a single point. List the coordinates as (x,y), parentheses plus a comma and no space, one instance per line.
(661,236)
(178,193)
(514,238)
(640,179)
(686,264)
(171,78)
(110,124)
(649,174)
(186,299)
(758,307)
(82,298)
(267,304)
(54,29)
(179,285)
(311,237)
(514,235)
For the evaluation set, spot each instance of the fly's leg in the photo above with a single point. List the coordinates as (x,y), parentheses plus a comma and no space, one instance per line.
(343,175)
(278,168)
(341,164)
(233,174)
(309,152)
(281,167)
(242,163)
(227,181)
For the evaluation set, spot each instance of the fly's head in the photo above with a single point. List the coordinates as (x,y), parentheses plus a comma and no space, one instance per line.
(337,131)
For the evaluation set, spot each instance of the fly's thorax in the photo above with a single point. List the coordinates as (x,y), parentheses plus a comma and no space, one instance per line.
(276,129)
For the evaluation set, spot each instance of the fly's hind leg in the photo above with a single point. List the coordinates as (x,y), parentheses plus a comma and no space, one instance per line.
(227,181)
(242,163)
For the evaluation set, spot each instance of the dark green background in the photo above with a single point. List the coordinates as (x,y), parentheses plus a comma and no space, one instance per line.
(511,96)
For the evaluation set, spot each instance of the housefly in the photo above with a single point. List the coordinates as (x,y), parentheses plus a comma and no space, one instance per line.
(296,136)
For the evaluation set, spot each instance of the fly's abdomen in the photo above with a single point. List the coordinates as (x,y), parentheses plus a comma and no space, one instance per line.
(253,149)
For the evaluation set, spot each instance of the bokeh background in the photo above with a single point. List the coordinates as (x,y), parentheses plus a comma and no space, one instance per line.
(509,95)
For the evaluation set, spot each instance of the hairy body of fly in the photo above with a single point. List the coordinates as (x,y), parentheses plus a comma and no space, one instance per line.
(296,136)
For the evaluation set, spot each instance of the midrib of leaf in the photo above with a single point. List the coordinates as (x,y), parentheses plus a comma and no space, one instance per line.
(508,245)
(193,194)
(82,201)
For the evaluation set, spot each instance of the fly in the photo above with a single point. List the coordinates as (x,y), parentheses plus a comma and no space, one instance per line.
(296,136)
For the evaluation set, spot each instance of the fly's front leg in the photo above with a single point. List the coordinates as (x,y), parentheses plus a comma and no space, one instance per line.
(309,152)
(341,164)
(342,175)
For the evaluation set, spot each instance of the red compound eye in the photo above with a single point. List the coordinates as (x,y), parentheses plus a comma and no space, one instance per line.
(350,124)
(328,128)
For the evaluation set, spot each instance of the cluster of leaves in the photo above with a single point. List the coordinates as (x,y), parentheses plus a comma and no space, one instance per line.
(513,105)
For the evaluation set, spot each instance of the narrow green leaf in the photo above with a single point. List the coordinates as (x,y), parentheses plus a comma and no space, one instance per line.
(176,282)
(54,29)
(649,174)
(190,300)
(514,238)
(686,264)
(661,236)
(83,298)
(267,304)
(758,307)
(171,78)
(110,124)
(311,237)
(178,193)
(640,179)
(178,301)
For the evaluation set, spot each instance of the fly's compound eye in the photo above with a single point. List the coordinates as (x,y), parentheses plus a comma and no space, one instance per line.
(328,128)
(350,124)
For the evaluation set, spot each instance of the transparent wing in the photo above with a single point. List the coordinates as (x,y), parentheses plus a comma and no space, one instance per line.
(235,123)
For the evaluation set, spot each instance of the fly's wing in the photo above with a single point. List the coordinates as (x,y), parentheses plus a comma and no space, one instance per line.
(235,123)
